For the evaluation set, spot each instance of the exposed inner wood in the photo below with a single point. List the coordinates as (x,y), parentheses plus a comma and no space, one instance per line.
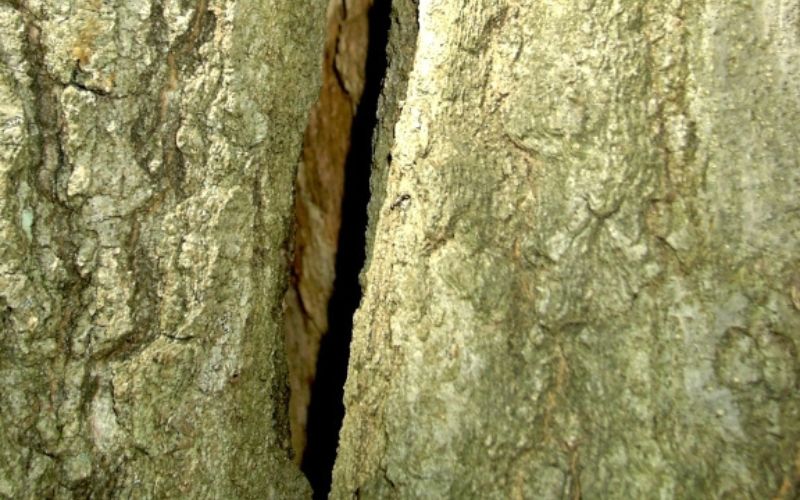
(320,186)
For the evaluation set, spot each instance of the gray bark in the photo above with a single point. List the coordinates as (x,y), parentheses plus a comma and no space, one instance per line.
(147,160)
(583,275)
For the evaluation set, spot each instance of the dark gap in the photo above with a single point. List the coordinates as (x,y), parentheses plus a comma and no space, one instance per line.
(326,409)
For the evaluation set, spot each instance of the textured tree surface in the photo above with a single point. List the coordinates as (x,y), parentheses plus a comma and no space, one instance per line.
(318,204)
(147,161)
(583,276)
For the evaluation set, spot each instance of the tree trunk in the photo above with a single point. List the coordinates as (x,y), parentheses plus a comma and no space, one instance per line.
(147,161)
(583,277)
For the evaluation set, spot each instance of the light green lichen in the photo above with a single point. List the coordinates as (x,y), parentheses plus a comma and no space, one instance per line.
(588,289)
(147,158)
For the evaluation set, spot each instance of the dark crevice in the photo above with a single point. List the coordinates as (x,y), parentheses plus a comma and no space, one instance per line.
(326,409)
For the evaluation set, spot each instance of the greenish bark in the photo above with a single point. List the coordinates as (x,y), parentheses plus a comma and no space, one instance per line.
(583,274)
(147,161)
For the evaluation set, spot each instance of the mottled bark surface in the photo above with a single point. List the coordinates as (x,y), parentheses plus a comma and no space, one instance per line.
(318,205)
(147,161)
(583,276)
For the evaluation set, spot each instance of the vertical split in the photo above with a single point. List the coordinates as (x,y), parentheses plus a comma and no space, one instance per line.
(330,236)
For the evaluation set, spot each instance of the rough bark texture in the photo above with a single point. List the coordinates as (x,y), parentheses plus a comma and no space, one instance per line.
(147,161)
(318,205)
(583,276)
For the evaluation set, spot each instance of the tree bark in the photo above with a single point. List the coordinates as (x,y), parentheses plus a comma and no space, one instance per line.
(583,277)
(147,161)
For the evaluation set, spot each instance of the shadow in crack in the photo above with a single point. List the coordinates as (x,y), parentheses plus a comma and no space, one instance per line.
(326,409)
